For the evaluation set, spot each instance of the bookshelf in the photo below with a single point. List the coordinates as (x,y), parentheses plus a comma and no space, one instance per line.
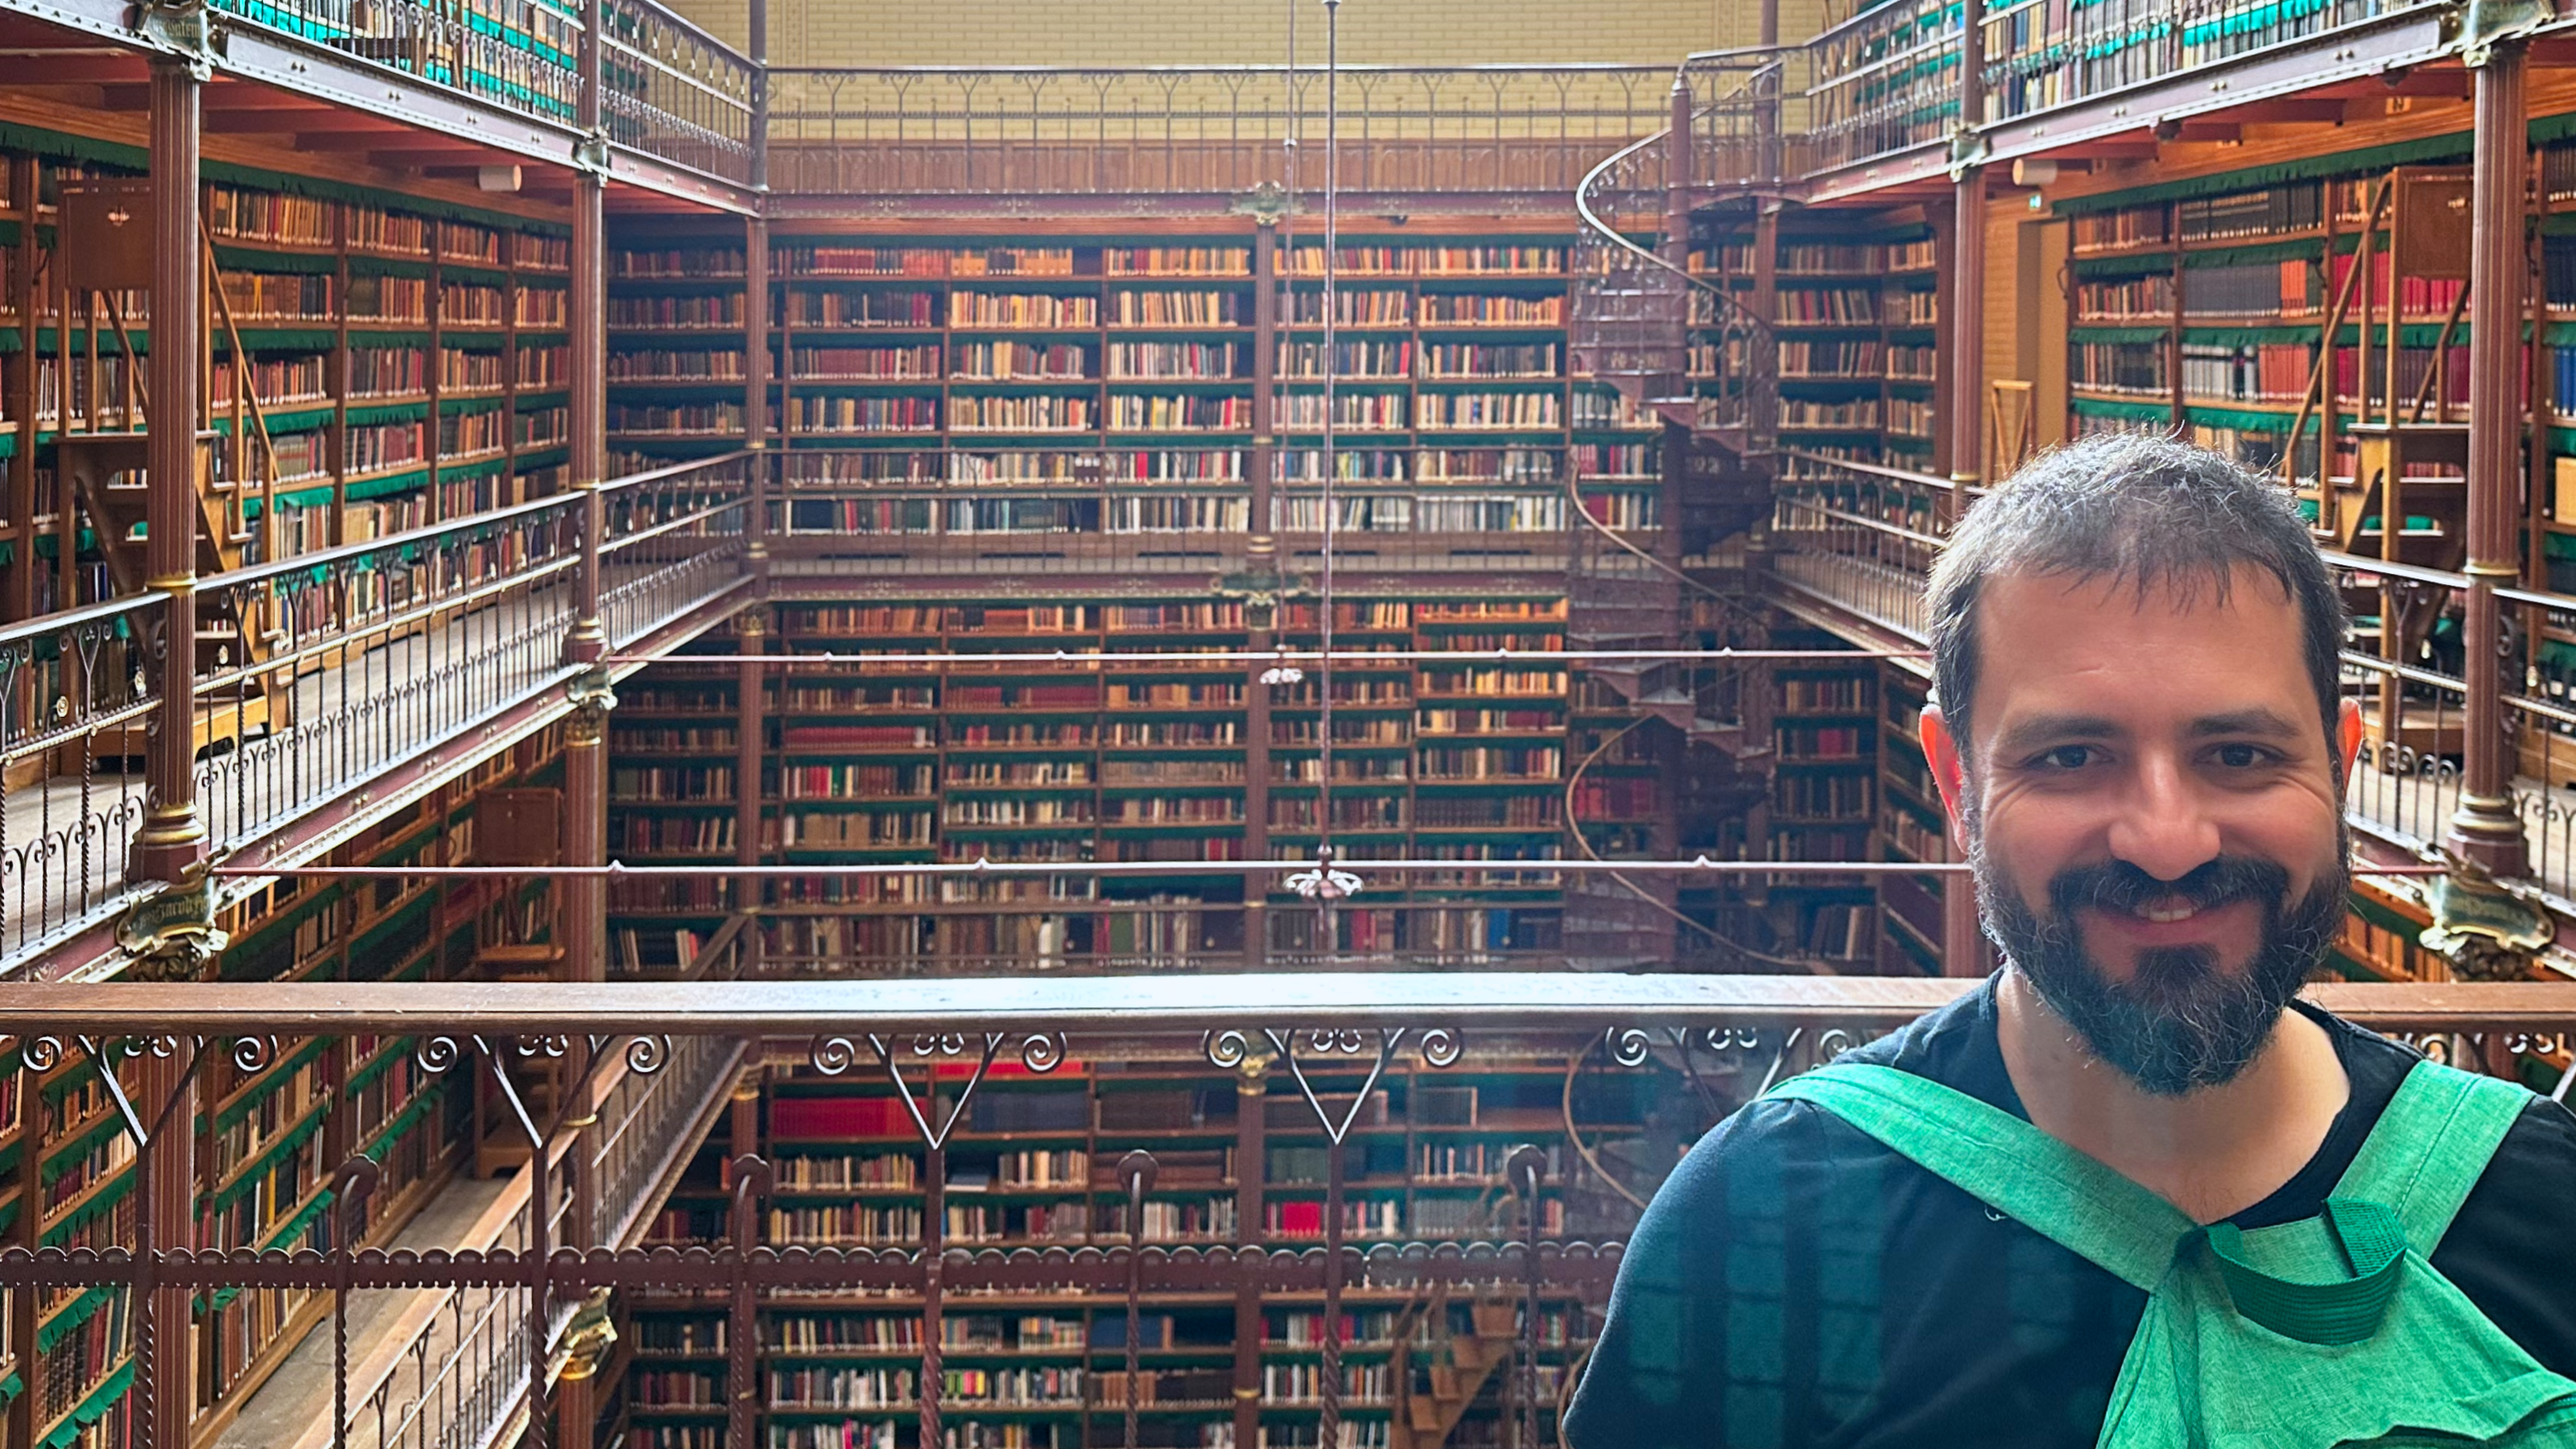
(1032,1165)
(1132,761)
(1855,317)
(407,358)
(676,337)
(1826,723)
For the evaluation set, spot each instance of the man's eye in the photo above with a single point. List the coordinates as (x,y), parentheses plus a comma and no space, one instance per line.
(2068,757)
(2242,757)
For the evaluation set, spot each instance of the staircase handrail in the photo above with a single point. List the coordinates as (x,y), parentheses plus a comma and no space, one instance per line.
(1759,420)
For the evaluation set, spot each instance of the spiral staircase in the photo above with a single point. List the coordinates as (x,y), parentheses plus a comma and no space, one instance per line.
(1639,323)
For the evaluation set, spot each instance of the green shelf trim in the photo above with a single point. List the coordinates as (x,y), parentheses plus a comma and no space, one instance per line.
(285,1232)
(402,482)
(320,497)
(12,340)
(2241,336)
(115,1193)
(2131,264)
(92,1409)
(60,1158)
(282,339)
(50,545)
(2253,254)
(474,272)
(71,1316)
(404,922)
(252,1171)
(463,472)
(8,233)
(360,417)
(551,397)
(2410,334)
(300,420)
(252,258)
(401,1122)
(450,407)
(8,445)
(545,457)
(8,1213)
(50,339)
(2095,407)
(484,342)
(2252,422)
(366,264)
(388,1052)
(2560,334)
(386,334)
(2454,146)
(10,1386)
(231,1116)
(2090,333)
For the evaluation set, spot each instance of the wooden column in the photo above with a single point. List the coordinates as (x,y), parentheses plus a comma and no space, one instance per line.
(172,845)
(750,737)
(1260,559)
(581,901)
(755,380)
(165,1096)
(1964,309)
(2484,826)
(1251,1088)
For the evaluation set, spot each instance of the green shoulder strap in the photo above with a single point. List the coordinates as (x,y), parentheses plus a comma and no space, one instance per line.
(2006,1163)
(2432,1145)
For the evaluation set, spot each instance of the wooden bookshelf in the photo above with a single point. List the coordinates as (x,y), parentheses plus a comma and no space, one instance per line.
(1031,1164)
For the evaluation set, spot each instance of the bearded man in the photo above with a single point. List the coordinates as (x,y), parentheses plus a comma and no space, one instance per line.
(2142,745)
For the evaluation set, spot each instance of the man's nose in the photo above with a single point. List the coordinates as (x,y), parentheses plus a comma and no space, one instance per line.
(2163,826)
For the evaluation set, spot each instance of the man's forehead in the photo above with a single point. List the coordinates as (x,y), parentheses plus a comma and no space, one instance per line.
(2161,657)
(2037,595)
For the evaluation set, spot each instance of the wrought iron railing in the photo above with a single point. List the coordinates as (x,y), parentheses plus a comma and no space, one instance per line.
(1066,131)
(318,672)
(670,89)
(1300,1056)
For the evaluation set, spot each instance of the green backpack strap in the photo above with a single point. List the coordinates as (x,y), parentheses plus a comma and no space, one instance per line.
(2432,1145)
(2006,1163)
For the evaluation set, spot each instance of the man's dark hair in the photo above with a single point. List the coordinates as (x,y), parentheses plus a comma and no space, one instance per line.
(2148,511)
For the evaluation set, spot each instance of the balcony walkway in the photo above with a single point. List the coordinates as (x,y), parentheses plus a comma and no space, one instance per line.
(350,721)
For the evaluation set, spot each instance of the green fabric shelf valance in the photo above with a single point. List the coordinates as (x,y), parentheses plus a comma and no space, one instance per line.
(71,1316)
(402,1122)
(279,339)
(2452,147)
(226,1119)
(362,264)
(402,482)
(236,258)
(2254,336)
(2093,333)
(2308,249)
(2097,407)
(91,1409)
(361,417)
(62,1157)
(2244,420)
(269,1156)
(278,1237)
(108,1197)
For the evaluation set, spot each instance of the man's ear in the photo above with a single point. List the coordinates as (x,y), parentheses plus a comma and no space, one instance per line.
(1941,751)
(2348,737)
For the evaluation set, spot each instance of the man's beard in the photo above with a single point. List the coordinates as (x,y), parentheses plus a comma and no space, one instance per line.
(2184,1021)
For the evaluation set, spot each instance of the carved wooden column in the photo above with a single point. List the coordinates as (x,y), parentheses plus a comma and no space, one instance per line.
(2485,827)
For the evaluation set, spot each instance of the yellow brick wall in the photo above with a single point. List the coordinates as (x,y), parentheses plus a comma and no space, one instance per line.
(1214,32)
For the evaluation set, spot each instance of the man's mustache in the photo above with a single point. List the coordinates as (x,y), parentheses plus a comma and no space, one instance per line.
(2118,885)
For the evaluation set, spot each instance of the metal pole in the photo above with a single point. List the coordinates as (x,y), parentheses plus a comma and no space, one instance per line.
(1966,304)
(582,901)
(172,845)
(1261,569)
(2485,827)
